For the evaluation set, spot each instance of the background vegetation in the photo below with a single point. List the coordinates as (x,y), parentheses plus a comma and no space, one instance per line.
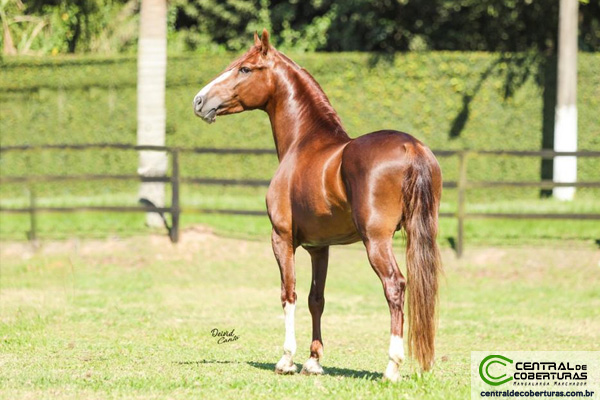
(449,100)
(499,97)
(110,26)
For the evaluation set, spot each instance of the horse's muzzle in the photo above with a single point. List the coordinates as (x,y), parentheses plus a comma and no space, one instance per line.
(208,114)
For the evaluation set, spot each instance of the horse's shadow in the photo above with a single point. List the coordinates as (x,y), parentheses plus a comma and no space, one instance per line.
(332,371)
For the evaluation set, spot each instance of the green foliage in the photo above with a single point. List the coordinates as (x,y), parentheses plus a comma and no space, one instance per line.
(206,23)
(389,26)
(69,26)
(326,25)
(93,100)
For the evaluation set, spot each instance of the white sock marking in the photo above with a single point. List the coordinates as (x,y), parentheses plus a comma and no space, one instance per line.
(396,351)
(289,346)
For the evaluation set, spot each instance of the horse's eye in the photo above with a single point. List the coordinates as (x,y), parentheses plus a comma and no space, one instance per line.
(244,70)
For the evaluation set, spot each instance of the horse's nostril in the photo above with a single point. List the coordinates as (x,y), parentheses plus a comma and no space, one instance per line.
(198,100)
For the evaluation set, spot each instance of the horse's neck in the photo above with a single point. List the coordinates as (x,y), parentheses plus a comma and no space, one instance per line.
(300,113)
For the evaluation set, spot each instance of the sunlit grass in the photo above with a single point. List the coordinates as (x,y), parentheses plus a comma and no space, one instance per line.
(132,319)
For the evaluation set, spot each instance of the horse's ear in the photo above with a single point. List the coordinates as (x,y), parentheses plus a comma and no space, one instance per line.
(256,39)
(265,42)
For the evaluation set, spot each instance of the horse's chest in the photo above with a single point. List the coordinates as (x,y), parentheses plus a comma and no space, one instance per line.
(310,194)
(314,202)
(301,199)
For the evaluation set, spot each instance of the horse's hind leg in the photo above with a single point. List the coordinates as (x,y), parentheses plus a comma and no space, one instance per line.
(316,304)
(381,257)
(376,218)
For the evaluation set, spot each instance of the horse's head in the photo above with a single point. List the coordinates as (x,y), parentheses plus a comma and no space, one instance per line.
(245,85)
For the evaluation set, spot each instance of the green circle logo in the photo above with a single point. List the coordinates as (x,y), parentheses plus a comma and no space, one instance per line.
(487,376)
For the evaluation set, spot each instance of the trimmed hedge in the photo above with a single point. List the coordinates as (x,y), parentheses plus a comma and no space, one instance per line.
(430,95)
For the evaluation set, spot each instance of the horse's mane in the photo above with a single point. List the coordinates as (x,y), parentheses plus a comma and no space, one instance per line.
(314,90)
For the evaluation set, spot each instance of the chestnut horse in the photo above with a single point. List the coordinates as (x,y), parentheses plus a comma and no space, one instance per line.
(330,189)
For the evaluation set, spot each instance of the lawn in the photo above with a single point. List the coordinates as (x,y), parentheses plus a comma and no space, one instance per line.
(132,317)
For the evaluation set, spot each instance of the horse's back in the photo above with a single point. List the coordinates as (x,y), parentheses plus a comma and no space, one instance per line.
(379,151)
(370,148)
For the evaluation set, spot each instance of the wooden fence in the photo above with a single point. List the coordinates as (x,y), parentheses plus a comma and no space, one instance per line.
(462,185)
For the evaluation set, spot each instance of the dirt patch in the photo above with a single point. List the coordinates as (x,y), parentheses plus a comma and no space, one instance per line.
(136,251)
(524,263)
(191,239)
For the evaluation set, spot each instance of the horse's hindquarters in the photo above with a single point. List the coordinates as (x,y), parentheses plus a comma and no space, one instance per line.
(373,169)
(394,181)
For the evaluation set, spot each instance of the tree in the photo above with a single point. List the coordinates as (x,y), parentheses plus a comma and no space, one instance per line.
(565,131)
(151,113)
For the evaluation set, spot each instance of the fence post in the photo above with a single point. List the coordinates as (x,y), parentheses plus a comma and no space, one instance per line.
(462,184)
(175,210)
(32,235)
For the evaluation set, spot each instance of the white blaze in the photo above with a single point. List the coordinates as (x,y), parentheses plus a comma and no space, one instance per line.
(218,79)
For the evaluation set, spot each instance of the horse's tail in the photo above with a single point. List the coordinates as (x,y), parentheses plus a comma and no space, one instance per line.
(423,263)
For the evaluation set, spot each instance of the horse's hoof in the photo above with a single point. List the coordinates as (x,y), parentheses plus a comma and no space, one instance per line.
(285,366)
(392,372)
(312,367)
(286,370)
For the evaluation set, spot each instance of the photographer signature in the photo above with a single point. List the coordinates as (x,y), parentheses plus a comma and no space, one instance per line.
(224,336)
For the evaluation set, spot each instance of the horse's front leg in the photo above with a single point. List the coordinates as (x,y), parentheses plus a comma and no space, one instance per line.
(283,248)
(316,304)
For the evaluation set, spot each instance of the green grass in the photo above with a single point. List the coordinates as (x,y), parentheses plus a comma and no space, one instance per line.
(132,319)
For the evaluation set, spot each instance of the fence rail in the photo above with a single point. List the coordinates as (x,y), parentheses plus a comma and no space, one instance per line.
(463,184)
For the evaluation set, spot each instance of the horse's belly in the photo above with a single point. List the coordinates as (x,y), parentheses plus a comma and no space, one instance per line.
(337,227)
